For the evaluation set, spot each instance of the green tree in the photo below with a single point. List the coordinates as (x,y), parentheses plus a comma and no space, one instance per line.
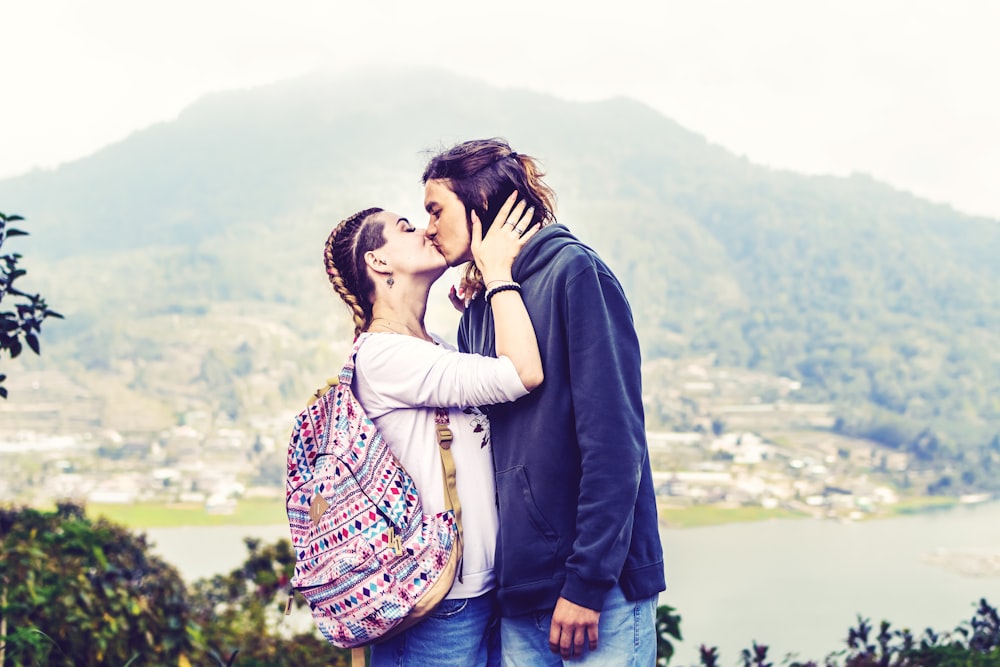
(76,593)
(24,322)
(80,593)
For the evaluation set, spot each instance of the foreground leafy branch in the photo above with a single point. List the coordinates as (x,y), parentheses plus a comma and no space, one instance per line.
(24,322)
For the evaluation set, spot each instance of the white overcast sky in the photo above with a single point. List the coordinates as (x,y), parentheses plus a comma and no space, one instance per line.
(904,90)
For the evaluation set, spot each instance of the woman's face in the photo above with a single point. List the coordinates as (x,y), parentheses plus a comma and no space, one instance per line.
(407,250)
(448,227)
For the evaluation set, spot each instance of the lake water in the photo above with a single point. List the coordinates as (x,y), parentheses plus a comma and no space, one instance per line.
(794,585)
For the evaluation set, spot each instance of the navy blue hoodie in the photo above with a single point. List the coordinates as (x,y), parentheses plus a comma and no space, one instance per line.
(574,487)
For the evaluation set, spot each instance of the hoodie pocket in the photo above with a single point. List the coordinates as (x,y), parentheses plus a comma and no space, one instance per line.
(529,543)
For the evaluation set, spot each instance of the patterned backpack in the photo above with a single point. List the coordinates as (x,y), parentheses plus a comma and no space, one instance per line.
(369,562)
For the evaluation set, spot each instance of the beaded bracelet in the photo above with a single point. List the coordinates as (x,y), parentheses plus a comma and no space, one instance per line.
(501,288)
(499,283)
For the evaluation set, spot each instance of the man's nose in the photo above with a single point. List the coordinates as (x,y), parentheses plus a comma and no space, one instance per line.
(431,230)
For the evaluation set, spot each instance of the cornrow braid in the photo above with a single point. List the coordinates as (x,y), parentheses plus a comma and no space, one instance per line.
(344,255)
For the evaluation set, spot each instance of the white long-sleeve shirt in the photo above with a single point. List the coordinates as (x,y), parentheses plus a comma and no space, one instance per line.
(400,380)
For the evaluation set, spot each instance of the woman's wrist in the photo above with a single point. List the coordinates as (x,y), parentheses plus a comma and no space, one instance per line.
(500,286)
(498,278)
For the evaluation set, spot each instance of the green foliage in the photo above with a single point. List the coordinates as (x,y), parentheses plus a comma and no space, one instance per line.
(972,644)
(30,310)
(755,656)
(242,611)
(77,593)
(668,626)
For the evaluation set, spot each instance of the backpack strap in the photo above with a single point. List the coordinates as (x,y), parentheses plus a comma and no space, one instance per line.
(451,500)
(347,372)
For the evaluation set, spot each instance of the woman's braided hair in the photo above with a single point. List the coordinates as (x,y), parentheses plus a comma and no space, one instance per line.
(482,173)
(344,256)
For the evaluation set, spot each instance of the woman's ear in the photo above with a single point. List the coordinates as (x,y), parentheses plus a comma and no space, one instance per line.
(375,264)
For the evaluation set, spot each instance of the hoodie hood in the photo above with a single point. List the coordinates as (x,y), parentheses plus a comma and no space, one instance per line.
(542,249)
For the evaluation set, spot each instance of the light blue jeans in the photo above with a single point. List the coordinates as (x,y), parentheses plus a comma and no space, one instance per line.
(626,637)
(459,633)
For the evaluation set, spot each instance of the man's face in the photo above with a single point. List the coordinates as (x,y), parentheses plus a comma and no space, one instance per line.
(448,227)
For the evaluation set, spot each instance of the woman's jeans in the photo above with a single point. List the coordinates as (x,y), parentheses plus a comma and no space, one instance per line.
(459,633)
(626,636)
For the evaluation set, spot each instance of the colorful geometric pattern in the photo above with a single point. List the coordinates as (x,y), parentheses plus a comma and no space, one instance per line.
(373,554)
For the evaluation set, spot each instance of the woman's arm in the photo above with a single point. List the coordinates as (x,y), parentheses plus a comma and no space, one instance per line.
(395,372)
(494,255)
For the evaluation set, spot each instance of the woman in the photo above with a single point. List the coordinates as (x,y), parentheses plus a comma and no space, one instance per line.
(383,269)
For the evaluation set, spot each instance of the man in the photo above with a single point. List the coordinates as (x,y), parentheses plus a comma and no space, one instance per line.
(578,555)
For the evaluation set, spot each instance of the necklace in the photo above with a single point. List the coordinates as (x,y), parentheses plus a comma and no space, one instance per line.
(408,332)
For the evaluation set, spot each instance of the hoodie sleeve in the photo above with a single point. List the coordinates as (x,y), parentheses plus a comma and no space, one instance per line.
(605,381)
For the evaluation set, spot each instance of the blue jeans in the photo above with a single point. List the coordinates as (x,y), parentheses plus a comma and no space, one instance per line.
(459,633)
(626,636)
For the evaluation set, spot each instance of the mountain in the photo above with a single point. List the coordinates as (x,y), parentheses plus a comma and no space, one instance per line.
(886,304)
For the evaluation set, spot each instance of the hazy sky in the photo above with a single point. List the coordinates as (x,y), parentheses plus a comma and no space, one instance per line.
(904,90)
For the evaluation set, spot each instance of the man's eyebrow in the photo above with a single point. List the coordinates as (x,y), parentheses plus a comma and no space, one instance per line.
(428,205)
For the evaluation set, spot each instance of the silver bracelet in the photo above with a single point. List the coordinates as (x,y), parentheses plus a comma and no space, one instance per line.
(502,287)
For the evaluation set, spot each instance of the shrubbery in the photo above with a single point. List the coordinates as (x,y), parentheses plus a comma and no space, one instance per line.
(75,592)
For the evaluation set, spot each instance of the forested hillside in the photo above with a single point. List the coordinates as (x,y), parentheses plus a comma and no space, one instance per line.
(187,258)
